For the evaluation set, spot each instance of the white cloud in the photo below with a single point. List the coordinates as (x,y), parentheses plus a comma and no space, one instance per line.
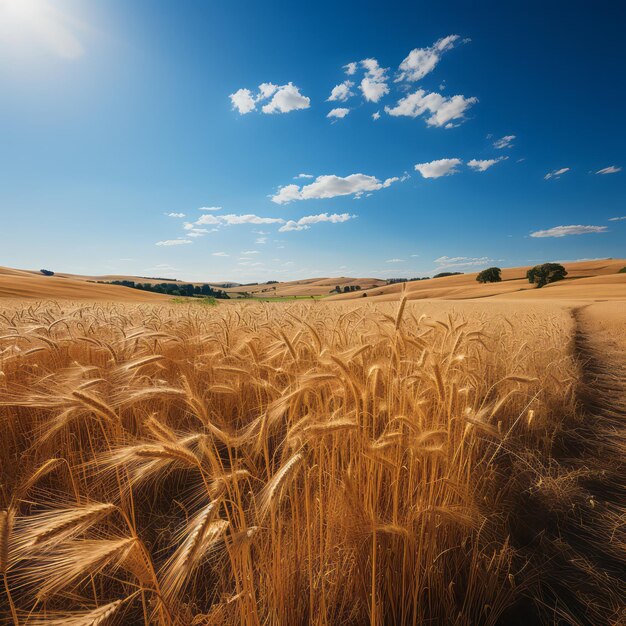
(350,68)
(462,261)
(341,92)
(175,214)
(394,261)
(284,98)
(338,113)
(422,61)
(556,173)
(331,186)
(564,231)
(261,240)
(374,85)
(304,176)
(243,101)
(232,219)
(485,164)
(612,169)
(438,168)
(172,242)
(247,252)
(443,110)
(210,208)
(287,98)
(617,219)
(249,219)
(304,223)
(219,254)
(376,116)
(504,142)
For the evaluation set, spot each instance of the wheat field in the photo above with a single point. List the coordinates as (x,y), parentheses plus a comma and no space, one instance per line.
(265,464)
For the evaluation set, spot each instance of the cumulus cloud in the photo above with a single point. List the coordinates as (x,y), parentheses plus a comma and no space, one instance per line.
(564,231)
(172,242)
(175,214)
(350,68)
(438,168)
(287,98)
(376,116)
(443,110)
(304,223)
(374,85)
(617,219)
(422,61)
(556,173)
(243,101)
(338,113)
(331,186)
(341,92)
(282,99)
(485,164)
(504,142)
(612,169)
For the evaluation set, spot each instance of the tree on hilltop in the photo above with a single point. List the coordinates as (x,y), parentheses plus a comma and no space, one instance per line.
(546,273)
(490,275)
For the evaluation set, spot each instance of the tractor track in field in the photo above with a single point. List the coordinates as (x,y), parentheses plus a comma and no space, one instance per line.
(588,571)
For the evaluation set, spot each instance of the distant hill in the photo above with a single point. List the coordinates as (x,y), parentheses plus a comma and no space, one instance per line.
(585,279)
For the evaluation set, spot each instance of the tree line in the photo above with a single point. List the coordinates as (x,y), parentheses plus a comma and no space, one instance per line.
(171,289)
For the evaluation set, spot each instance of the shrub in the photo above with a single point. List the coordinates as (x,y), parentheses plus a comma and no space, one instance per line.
(622,271)
(444,274)
(490,275)
(547,273)
(47,272)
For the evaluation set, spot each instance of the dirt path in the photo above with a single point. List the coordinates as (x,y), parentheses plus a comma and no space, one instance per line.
(594,534)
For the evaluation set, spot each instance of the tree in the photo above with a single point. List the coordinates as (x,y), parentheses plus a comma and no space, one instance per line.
(47,272)
(542,275)
(490,275)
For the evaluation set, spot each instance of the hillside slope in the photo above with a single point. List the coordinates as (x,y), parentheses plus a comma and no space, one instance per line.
(18,284)
(586,279)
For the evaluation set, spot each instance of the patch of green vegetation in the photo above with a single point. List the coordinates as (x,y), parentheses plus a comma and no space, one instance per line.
(208,301)
(285,298)
(622,271)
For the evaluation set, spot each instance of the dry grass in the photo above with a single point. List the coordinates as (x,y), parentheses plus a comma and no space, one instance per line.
(303,464)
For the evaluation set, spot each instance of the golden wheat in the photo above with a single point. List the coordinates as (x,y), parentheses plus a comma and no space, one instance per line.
(285,465)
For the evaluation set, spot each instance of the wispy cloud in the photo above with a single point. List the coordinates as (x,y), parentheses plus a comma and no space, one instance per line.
(219,254)
(394,261)
(504,142)
(175,214)
(612,169)
(210,208)
(304,176)
(173,242)
(617,219)
(556,173)
(462,261)
(484,164)
(564,231)
(422,61)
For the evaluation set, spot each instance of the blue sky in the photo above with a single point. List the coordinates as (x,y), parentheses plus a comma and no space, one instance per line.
(115,114)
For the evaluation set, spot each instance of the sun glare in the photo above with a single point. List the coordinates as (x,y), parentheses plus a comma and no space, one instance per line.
(29,24)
